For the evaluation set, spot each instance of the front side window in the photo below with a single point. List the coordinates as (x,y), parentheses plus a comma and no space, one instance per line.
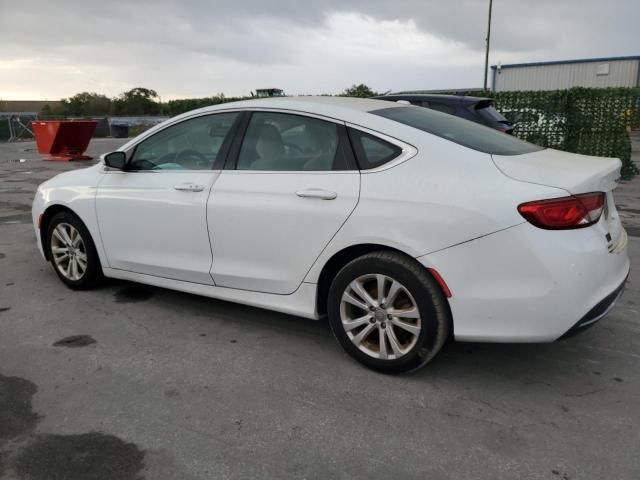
(193,144)
(285,142)
(470,134)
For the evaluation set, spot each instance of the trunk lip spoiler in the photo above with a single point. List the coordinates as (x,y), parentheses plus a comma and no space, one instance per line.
(558,169)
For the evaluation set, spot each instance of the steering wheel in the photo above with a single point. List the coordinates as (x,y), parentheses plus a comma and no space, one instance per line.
(192,159)
(142,164)
(293,146)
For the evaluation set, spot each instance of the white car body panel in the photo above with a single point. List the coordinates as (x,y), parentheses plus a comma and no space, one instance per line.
(569,171)
(149,227)
(264,236)
(247,237)
(427,223)
(300,303)
(527,284)
(75,190)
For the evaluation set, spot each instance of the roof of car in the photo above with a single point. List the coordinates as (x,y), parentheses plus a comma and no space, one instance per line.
(433,97)
(347,109)
(343,108)
(354,103)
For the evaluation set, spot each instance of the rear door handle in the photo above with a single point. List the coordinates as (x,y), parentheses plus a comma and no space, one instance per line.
(317,193)
(189,187)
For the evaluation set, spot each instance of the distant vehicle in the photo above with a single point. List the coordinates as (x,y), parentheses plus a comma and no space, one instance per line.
(476,109)
(269,92)
(402,224)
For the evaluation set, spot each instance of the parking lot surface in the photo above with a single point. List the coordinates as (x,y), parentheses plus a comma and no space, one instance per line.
(129,381)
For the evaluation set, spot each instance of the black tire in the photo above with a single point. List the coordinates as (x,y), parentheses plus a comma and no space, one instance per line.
(433,308)
(92,275)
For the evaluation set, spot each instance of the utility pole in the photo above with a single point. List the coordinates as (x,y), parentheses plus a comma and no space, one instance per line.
(488,39)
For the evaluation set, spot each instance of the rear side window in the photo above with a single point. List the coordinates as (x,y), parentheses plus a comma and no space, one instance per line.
(470,134)
(285,142)
(372,152)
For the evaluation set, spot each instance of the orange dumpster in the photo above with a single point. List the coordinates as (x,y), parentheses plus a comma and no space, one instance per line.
(63,139)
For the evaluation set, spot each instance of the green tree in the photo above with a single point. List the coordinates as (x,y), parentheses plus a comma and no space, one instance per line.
(175,107)
(46,111)
(137,101)
(362,91)
(86,104)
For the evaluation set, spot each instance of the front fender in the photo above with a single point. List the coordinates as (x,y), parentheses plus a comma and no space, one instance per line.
(76,193)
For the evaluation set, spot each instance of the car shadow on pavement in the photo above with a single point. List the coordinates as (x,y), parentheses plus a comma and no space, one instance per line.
(541,363)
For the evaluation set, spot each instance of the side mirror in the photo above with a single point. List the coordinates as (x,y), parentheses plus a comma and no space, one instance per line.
(115,160)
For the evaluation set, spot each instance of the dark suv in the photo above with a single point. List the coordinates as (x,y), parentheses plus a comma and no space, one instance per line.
(476,109)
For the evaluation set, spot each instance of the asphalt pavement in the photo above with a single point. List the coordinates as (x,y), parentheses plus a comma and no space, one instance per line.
(128,382)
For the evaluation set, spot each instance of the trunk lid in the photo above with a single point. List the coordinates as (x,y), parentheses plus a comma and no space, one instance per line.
(569,171)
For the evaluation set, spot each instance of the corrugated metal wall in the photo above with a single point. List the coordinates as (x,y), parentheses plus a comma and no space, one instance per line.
(622,73)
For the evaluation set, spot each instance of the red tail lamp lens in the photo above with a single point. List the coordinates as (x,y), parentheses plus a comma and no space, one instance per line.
(577,211)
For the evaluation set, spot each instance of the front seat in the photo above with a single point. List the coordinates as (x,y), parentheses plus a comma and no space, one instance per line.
(269,149)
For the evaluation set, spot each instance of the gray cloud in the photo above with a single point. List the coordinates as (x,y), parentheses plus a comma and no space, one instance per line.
(192,48)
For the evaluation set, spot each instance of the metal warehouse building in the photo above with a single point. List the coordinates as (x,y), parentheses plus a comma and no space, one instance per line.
(559,75)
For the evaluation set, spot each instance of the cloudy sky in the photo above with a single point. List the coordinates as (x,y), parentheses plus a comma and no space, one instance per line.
(188,48)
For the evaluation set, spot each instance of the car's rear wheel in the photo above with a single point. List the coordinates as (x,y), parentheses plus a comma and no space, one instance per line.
(388,312)
(72,252)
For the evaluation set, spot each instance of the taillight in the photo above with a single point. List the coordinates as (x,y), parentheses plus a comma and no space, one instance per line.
(577,211)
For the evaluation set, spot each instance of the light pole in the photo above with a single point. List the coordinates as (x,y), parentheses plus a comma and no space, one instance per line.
(486,56)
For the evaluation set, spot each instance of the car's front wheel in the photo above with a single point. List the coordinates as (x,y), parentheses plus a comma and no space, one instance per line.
(72,252)
(388,312)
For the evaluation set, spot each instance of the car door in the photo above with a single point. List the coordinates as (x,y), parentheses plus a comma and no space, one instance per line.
(290,185)
(152,215)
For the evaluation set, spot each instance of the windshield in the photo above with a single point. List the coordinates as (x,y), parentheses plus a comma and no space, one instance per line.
(458,130)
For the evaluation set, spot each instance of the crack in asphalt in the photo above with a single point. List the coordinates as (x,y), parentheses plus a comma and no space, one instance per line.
(75,341)
(584,394)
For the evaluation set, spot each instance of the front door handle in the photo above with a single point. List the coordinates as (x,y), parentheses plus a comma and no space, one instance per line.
(317,193)
(189,187)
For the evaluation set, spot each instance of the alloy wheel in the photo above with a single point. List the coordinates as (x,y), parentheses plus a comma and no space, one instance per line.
(69,251)
(380,316)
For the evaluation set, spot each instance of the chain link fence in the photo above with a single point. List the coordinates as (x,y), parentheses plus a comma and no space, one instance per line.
(16,126)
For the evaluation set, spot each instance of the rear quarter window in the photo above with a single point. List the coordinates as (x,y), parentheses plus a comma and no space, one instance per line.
(458,130)
(372,152)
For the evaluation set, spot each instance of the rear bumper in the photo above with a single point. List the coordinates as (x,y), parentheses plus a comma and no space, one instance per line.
(597,313)
(525,284)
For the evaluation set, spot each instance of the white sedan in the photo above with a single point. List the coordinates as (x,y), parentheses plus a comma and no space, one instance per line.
(403,225)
